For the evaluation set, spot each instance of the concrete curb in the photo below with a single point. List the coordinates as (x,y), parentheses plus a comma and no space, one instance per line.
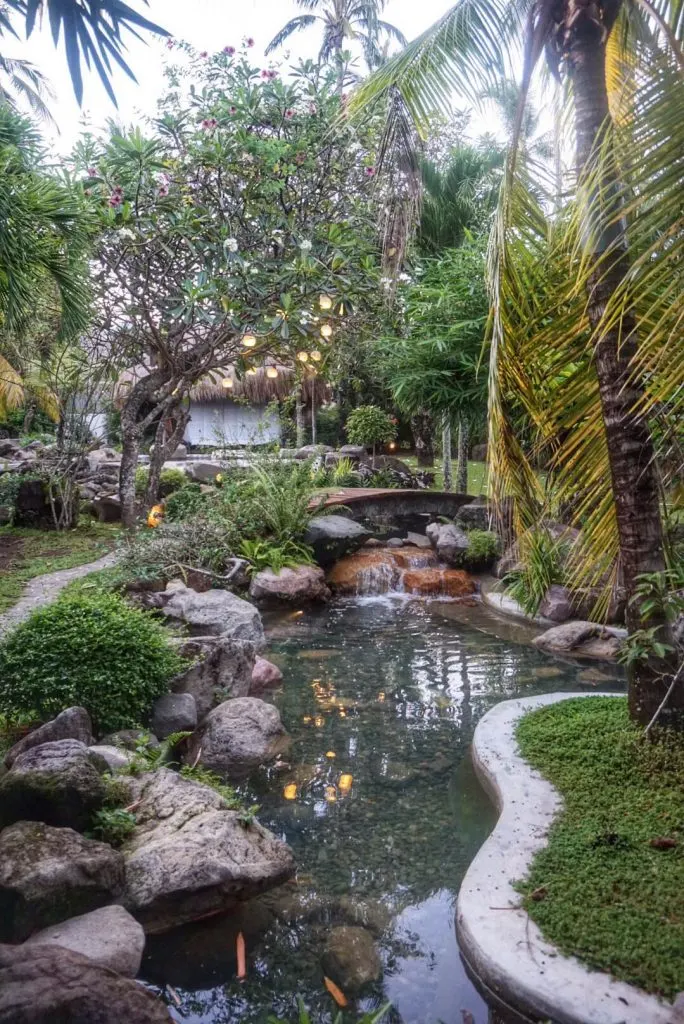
(502,947)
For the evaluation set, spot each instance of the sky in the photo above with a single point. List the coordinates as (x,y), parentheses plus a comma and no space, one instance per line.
(207,24)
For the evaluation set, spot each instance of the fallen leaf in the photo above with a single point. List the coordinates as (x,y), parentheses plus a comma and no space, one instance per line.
(539,894)
(241,961)
(337,993)
(663,843)
(174,995)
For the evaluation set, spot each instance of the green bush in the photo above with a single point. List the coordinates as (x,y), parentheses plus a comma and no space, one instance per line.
(541,565)
(96,652)
(369,425)
(170,480)
(264,554)
(184,503)
(329,426)
(483,548)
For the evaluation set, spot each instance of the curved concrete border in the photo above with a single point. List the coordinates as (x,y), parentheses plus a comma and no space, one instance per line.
(500,944)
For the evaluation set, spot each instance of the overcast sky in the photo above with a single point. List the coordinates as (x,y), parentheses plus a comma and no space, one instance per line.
(207,24)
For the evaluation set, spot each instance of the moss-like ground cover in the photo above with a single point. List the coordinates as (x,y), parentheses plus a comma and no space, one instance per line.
(609,886)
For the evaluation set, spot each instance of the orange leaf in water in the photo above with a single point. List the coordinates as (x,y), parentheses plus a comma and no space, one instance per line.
(337,993)
(241,961)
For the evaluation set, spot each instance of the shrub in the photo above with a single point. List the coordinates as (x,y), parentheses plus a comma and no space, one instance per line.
(96,652)
(541,565)
(344,474)
(9,488)
(329,426)
(170,480)
(112,825)
(184,503)
(483,548)
(264,554)
(199,542)
(369,425)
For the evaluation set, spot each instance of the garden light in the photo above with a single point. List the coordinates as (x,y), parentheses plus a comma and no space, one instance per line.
(345,782)
(271,372)
(326,330)
(249,340)
(290,791)
(316,355)
(325,302)
(303,357)
(251,372)
(227,382)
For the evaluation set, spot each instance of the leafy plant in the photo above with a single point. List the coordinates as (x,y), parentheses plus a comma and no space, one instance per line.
(382,478)
(264,554)
(344,474)
(540,566)
(9,489)
(112,825)
(93,651)
(368,425)
(183,503)
(170,480)
(483,547)
(658,594)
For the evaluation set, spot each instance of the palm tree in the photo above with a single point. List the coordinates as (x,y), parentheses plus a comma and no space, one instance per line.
(343,19)
(615,250)
(21,80)
(91,30)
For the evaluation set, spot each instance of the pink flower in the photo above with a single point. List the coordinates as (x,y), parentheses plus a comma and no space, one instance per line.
(114,201)
(232,110)
(204,53)
(272,75)
(92,172)
(265,73)
(289,114)
(209,123)
(163,190)
(170,44)
(370,172)
(313,109)
(249,42)
(230,50)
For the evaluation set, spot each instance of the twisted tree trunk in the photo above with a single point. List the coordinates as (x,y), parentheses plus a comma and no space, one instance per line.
(162,449)
(630,447)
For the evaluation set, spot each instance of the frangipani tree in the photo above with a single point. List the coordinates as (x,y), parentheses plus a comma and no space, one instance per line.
(608,335)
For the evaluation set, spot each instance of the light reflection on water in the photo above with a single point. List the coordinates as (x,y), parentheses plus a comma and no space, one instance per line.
(384,828)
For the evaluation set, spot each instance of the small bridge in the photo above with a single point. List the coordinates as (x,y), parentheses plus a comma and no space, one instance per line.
(406,506)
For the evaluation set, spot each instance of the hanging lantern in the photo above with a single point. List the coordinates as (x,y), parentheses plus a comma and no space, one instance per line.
(316,355)
(249,340)
(227,382)
(345,782)
(290,791)
(326,330)
(325,302)
(303,357)
(272,372)
(251,372)
(330,794)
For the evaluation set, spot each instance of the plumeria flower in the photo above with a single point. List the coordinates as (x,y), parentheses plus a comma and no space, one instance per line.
(289,114)
(370,172)
(249,42)
(233,110)
(209,123)
(231,245)
(170,44)
(204,54)
(92,172)
(230,50)
(306,245)
(265,73)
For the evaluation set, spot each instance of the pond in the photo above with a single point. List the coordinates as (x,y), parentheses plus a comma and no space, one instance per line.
(378,800)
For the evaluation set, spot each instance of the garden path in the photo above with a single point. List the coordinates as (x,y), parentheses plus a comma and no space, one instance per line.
(44,589)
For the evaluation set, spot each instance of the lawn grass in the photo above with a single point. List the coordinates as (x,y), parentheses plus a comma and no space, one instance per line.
(609,886)
(27,553)
(477,473)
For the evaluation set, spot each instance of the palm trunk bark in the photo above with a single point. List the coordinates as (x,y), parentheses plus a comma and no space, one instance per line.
(462,463)
(446,453)
(630,447)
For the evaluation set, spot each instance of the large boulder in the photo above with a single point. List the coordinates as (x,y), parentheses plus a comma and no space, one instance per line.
(556,604)
(116,757)
(72,724)
(333,536)
(109,937)
(265,675)
(59,783)
(238,736)
(311,451)
(350,958)
(107,508)
(49,874)
(203,472)
(130,739)
(190,856)
(353,451)
(32,505)
(173,712)
(585,639)
(474,516)
(50,985)
(216,612)
(449,541)
(301,585)
(222,668)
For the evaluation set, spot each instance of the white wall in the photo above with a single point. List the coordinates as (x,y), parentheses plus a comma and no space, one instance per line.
(213,423)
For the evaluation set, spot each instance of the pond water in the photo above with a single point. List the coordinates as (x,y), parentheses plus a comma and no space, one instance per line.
(378,800)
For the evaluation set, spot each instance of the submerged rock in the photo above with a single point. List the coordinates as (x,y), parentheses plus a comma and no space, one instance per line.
(190,855)
(50,985)
(264,676)
(586,639)
(173,712)
(49,874)
(59,783)
(351,959)
(109,937)
(333,536)
(72,724)
(238,736)
(223,669)
(216,612)
(300,585)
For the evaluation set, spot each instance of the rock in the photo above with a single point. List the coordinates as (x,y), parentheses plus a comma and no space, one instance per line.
(303,584)
(310,451)
(116,757)
(417,540)
(586,639)
(203,472)
(479,453)
(49,874)
(190,856)
(450,542)
(9,447)
(223,669)
(678,1010)
(72,724)
(216,612)
(353,451)
(474,516)
(584,601)
(237,737)
(556,604)
(264,675)
(394,542)
(438,582)
(44,984)
(32,506)
(509,561)
(370,914)
(180,453)
(333,536)
(350,958)
(173,712)
(129,739)
(59,783)
(109,937)
(107,508)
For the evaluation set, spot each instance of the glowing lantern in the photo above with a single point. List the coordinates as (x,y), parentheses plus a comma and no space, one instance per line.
(392,446)
(316,356)
(330,753)
(306,719)
(156,514)
(271,372)
(330,794)
(227,382)
(326,330)
(251,372)
(290,791)
(325,302)
(249,340)
(346,782)
(381,696)
(303,356)
(319,721)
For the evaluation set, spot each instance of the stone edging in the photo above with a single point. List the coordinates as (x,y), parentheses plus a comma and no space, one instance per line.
(502,947)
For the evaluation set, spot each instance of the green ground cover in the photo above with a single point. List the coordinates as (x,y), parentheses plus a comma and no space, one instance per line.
(477,473)
(609,886)
(25,554)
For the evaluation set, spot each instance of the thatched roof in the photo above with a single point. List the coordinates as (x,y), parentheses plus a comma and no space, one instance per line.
(258,389)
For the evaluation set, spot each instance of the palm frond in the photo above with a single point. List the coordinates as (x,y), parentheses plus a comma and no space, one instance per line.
(294,25)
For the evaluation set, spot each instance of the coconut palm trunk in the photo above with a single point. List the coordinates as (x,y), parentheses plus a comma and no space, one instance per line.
(630,447)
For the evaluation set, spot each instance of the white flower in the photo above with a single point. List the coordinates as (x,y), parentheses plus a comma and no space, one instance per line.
(306,245)
(404,277)
(231,245)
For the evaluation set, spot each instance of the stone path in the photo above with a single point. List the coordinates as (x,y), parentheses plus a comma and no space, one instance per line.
(44,589)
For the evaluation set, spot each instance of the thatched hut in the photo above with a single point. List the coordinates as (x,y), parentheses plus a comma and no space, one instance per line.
(227,409)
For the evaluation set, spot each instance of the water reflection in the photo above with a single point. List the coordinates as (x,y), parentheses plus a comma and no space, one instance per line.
(378,799)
